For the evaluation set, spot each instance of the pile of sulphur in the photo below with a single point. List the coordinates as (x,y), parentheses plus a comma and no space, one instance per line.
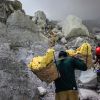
(84,49)
(40,62)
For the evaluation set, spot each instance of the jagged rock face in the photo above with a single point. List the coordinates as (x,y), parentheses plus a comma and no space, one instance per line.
(2,11)
(21,30)
(73,27)
(19,19)
(16,82)
(40,15)
(40,19)
(12,6)
(17,5)
(7,7)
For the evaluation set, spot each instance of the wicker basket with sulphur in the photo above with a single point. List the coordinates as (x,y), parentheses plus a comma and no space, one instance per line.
(84,52)
(44,66)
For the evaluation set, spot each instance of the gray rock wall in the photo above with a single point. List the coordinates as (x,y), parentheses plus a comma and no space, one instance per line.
(16,81)
(21,30)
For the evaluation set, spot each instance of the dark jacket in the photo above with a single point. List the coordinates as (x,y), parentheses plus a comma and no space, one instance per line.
(66,68)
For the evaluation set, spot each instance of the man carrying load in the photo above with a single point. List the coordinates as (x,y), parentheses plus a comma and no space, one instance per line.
(66,88)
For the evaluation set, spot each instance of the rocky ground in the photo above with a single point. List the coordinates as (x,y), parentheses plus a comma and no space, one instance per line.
(23,37)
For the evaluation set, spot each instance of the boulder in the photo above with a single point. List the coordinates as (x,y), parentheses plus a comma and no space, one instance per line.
(40,19)
(18,19)
(63,40)
(21,30)
(77,41)
(73,27)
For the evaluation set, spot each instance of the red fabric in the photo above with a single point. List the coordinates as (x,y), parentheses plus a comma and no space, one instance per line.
(98,51)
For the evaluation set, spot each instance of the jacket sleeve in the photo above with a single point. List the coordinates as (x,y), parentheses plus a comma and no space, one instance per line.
(79,64)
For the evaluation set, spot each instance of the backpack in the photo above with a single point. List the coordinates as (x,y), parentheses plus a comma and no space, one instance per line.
(97,50)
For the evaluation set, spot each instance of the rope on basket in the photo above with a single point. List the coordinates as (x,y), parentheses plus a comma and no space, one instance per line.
(56,64)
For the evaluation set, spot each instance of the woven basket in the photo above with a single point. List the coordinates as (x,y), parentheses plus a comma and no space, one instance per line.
(89,60)
(47,74)
(86,59)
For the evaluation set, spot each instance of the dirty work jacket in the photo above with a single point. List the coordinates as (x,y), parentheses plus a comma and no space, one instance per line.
(66,69)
